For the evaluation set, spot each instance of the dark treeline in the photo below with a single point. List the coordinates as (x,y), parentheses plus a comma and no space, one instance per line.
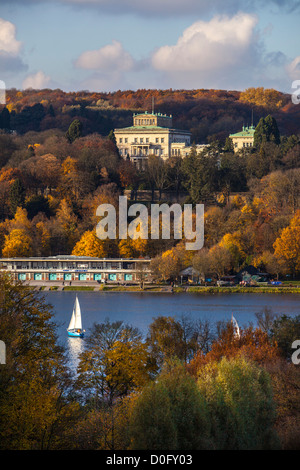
(207,113)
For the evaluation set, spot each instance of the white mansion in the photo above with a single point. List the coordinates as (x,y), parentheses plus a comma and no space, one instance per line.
(152,134)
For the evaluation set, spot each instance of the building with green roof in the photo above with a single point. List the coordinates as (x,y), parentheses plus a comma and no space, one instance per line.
(243,139)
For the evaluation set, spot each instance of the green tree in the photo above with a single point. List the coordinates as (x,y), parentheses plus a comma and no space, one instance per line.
(171,414)
(266,131)
(200,171)
(152,426)
(239,396)
(74,131)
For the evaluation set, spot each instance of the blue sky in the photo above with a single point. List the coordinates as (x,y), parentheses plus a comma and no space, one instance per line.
(106,45)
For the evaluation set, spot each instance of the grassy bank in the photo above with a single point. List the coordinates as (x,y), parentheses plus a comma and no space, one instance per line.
(188,289)
(237,289)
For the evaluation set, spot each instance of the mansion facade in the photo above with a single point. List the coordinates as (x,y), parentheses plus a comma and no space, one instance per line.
(152,134)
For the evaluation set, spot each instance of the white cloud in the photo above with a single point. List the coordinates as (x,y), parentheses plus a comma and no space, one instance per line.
(206,46)
(37,81)
(293,68)
(108,58)
(8,41)
(10,60)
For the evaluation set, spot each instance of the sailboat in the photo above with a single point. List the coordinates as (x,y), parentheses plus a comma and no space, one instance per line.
(75,326)
(236,329)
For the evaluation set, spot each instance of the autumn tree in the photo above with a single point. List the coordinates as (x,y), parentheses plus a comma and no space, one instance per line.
(156,174)
(63,228)
(168,265)
(287,245)
(267,97)
(17,244)
(167,338)
(253,344)
(34,381)
(221,260)
(90,245)
(18,238)
(128,174)
(114,363)
(105,194)
(202,263)
(130,248)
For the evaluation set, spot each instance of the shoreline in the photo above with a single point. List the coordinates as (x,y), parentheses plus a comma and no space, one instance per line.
(175,290)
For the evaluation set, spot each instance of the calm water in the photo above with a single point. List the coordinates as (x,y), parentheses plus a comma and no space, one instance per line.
(139,309)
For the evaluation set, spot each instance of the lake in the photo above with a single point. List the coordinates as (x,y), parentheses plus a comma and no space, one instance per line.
(140,308)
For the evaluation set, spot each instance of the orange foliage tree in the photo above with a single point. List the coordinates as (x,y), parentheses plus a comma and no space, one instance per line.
(253,344)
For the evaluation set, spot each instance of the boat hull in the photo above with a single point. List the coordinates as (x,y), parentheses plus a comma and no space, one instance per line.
(76,334)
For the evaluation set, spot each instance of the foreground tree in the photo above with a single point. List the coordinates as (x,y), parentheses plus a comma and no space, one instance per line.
(33,382)
(239,396)
(114,363)
(170,414)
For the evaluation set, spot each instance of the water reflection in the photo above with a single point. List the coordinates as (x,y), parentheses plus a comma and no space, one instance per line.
(74,346)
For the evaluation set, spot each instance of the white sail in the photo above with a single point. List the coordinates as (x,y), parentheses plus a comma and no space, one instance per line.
(235,326)
(72,322)
(76,322)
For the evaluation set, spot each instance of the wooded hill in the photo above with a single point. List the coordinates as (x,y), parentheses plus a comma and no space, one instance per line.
(208,114)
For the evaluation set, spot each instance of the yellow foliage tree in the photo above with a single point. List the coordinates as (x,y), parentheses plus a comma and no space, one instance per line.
(287,246)
(132,248)
(20,220)
(260,96)
(232,242)
(42,238)
(91,245)
(17,243)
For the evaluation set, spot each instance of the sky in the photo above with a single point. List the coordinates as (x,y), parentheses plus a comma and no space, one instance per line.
(109,45)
